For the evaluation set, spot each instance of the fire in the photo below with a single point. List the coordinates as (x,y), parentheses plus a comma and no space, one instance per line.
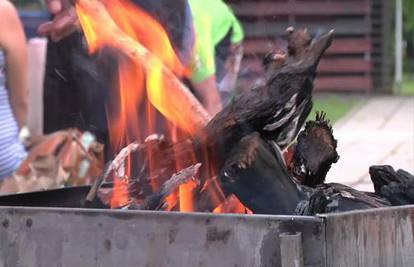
(120,195)
(152,76)
(159,64)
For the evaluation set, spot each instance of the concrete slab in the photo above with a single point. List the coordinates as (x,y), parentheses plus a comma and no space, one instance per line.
(380,132)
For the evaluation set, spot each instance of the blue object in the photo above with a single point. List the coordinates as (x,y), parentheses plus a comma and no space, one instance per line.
(12,151)
(32,19)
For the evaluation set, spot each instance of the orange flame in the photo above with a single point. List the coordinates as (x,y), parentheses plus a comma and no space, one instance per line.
(120,194)
(148,78)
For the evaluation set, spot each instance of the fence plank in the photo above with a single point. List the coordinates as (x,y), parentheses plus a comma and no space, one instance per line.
(350,60)
(343,83)
(354,26)
(254,8)
(334,65)
(339,46)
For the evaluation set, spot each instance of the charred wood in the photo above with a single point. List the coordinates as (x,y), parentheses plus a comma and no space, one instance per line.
(395,186)
(210,195)
(276,111)
(330,198)
(116,165)
(238,141)
(314,152)
(157,200)
(256,174)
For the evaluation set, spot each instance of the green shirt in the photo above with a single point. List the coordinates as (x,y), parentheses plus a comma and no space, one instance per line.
(212,21)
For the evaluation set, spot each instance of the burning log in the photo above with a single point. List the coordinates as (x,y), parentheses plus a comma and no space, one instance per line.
(314,152)
(312,157)
(274,112)
(184,104)
(278,109)
(271,113)
(255,172)
(156,201)
(117,165)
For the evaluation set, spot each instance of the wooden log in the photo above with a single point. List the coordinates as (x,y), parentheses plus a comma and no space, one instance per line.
(184,102)
(395,186)
(210,195)
(116,165)
(259,110)
(331,198)
(156,200)
(274,112)
(314,153)
(256,174)
(278,109)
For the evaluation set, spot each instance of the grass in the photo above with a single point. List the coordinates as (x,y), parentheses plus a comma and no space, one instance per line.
(408,86)
(336,106)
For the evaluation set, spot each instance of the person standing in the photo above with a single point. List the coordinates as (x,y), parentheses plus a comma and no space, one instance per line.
(218,51)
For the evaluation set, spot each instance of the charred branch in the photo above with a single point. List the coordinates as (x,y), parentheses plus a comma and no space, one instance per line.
(314,153)
(395,186)
(157,200)
(256,174)
(329,198)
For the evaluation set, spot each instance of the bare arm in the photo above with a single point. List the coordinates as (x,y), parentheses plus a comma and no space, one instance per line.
(13,42)
(208,95)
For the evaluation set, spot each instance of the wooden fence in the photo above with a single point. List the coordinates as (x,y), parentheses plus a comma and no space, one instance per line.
(355,60)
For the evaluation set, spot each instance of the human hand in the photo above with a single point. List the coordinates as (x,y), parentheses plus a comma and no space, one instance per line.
(65,20)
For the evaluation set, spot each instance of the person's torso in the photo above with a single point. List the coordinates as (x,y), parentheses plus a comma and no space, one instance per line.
(11,150)
(213,16)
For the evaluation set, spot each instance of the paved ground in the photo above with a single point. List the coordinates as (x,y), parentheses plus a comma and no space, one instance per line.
(379,132)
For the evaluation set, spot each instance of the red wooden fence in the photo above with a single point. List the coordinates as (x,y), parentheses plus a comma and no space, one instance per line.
(347,66)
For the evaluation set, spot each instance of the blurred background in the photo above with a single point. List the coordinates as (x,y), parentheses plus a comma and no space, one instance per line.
(358,82)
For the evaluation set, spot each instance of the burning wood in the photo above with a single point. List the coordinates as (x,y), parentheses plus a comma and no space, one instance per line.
(117,165)
(314,152)
(185,110)
(274,190)
(240,148)
(156,201)
(272,113)
(268,116)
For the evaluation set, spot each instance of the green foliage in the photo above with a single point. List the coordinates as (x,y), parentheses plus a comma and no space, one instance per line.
(408,86)
(408,9)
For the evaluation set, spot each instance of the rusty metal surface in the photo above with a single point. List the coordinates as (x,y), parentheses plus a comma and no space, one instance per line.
(380,237)
(73,237)
(80,237)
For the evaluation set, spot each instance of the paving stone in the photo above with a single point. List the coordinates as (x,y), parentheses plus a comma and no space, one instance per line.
(381,132)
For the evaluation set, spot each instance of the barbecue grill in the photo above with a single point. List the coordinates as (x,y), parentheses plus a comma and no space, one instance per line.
(58,228)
